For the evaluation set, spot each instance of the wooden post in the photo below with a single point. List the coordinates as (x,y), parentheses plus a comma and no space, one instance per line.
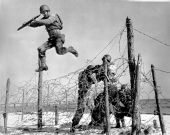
(40,98)
(56,115)
(23,96)
(131,55)
(107,126)
(157,101)
(136,120)
(5,114)
(48,94)
(66,100)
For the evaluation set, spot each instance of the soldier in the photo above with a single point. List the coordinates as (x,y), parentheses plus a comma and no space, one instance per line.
(98,113)
(98,70)
(53,26)
(85,81)
(89,76)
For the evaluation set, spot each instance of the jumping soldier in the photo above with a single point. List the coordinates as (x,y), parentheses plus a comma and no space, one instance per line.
(85,81)
(53,24)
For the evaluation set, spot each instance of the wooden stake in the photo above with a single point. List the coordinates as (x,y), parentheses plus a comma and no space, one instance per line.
(56,115)
(48,94)
(136,120)
(66,100)
(107,126)
(23,96)
(5,114)
(131,55)
(40,98)
(157,102)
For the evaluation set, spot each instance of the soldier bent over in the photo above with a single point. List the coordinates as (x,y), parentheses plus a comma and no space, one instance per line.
(85,81)
(53,26)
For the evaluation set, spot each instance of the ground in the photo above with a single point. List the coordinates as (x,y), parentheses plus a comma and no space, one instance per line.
(27,126)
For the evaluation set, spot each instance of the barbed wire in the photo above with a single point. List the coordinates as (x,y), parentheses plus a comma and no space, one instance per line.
(59,92)
(151,37)
(162,71)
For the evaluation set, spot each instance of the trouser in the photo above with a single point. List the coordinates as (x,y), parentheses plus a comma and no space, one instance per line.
(56,42)
(80,107)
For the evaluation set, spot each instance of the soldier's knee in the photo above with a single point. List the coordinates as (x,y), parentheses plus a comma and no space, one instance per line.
(62,38)
(39,50)
(59,51)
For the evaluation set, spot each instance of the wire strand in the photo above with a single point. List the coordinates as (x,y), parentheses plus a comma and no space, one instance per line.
(152,37)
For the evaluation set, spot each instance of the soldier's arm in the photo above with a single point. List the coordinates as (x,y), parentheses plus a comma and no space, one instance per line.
(48,21)
(93,77)
(96,69)
(35,24)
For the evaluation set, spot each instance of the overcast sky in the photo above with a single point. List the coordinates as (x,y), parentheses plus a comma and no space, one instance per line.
(88,25)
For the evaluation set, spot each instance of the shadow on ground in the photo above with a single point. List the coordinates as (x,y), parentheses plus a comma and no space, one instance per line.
(64,129)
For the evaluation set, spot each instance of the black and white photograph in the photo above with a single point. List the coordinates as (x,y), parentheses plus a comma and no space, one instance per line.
(84,67)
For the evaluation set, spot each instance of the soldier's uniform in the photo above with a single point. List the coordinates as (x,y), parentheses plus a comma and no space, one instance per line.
(53,26)
(85,82)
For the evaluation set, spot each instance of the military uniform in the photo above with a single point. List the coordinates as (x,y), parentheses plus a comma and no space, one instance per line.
(53,26)
(85,82)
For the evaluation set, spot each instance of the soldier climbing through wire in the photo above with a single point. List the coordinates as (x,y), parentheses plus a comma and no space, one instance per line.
(53,24)
(85,81)
(98,113)
(91,75)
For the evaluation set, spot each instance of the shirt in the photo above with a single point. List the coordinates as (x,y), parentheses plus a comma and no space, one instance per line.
(100,73)
(85,80)
(52,24)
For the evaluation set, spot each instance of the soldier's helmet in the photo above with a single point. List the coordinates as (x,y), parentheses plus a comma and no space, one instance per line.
(44,8)
(107,57)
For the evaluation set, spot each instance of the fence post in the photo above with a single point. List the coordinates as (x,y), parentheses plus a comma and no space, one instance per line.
(157,101)
(56,114)
(131,55)
(5,114)
(23,96)
(136,120)
(40,97)
(48,94)
(107,126)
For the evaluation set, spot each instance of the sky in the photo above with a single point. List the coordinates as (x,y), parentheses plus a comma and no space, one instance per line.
(89,25)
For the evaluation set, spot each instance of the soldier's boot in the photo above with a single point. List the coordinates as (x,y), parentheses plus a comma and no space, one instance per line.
(123,122)
(42,65)
(72,129)
(117,123)
(73,51)
(42,68)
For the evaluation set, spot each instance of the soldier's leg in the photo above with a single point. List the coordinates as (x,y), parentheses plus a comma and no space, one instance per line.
(41,55)
(79,112)
(123,122)
(63,50)
(117,120)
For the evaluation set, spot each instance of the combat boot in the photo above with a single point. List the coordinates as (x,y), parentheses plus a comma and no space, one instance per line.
(72,130)
(73,51)
(43,67)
